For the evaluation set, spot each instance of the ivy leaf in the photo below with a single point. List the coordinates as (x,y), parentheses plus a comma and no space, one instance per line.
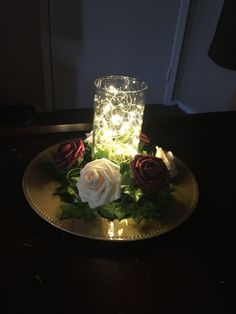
(137,215)
(126,179)
(73,175)
(107,211)
(70,210)
(88,213)
(87,156)
(80,210)
(128,191)
(72,191)
(138,193)
(134,193)
(61,189)
(122,211)
(124,167)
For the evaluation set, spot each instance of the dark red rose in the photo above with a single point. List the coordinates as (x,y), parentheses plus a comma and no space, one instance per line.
(68,153)
(144,139)
(150,173)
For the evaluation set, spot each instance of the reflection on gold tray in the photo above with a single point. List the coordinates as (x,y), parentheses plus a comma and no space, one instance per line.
(39,188)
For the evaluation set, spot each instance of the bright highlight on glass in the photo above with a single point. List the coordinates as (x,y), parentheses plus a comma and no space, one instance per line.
(118,116)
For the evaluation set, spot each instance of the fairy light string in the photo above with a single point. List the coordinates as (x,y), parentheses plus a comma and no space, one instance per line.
(118,122)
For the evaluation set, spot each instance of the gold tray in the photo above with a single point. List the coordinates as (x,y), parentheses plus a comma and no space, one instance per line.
(39,187)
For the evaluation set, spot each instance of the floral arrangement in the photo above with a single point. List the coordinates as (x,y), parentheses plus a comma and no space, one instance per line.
(91,185)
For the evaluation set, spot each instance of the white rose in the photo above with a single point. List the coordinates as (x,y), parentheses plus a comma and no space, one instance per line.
(168,159)
(99,182)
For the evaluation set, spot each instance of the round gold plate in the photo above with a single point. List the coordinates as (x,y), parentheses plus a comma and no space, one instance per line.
(39,188)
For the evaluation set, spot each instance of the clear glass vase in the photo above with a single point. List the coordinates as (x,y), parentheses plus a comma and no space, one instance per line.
(118,115)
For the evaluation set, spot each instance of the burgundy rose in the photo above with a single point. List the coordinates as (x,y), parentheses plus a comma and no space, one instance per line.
(68,153)
(150,173)
(144,139)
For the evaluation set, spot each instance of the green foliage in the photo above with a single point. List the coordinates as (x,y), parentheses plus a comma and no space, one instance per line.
(87,157)
(73,175)
(107,211)
(100,154)
(134,202)
(77,209)
(70,210)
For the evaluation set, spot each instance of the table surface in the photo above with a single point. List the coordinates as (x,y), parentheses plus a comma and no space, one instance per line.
(188,270)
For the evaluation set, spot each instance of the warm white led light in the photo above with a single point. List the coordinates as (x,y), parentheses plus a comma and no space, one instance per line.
(118,116)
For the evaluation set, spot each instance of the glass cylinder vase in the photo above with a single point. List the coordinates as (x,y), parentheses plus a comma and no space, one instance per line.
(118,115)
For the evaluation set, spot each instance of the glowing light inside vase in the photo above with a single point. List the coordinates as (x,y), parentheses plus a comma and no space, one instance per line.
(118,120)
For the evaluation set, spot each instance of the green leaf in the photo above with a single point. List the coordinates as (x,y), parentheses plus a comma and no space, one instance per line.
(100,154)
(122,211)
(134,193)
(79,210)
(134,202)
(72,191)
(124,167)
(107,211)
(73,175)
(88,213)
(138,193)
(61,189)
(126,179)
(127,190)
(137,215)
(70,211)
(87,156)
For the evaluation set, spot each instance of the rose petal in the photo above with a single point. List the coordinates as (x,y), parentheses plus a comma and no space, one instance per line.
(104,187)
(149,172)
